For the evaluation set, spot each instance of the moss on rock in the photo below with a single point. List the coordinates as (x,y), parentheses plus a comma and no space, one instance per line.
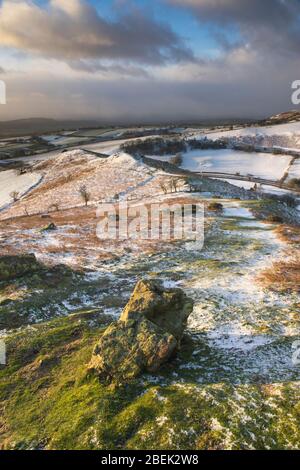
(127,349)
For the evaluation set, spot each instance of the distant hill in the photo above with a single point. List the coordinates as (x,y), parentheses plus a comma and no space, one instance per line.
(39,125)
(284,118)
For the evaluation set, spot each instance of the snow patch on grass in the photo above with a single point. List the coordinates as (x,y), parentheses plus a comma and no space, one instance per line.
(235,335)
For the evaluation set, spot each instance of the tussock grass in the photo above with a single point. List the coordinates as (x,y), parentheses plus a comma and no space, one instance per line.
(283,276)
(289,234)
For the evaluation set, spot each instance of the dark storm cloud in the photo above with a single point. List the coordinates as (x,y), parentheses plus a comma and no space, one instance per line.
(249,76)
(262,24)
(244,11)
(72,30)
(224,90)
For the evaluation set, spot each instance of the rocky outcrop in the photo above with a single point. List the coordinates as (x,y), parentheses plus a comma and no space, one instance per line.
(146,336)
(12,267)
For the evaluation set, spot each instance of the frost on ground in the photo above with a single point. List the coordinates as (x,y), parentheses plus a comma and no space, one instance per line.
(233,384)
(242,330)
(243,325)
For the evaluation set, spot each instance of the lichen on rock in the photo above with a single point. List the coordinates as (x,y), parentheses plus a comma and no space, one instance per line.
(146,336)
(167,308)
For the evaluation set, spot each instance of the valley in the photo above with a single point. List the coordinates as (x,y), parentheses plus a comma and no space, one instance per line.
(233,383)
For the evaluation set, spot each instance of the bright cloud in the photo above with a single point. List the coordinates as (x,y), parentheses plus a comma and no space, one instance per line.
(140,61)
(73,30)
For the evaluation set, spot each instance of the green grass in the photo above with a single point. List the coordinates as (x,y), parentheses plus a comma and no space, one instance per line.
(49,401)
(41,296)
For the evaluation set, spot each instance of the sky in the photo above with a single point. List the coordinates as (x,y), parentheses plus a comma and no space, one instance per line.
(148,60)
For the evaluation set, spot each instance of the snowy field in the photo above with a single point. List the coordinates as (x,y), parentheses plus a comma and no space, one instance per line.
(294,171)
(68,140)
(110,147)
(262,188)
(51,138)
(290,129)
(10,181)
(100,133)
(262,165)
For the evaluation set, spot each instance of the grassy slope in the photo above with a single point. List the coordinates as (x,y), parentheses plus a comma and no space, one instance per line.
(48,401)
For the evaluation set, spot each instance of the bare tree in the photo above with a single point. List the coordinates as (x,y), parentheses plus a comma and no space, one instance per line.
(54,207)
(86,196)
(174,184)
(176,160)
(15,195)
(163,187)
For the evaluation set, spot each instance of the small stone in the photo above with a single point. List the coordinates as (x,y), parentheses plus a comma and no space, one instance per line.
(49,227)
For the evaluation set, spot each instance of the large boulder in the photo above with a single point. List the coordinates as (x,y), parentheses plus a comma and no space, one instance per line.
(167,308)
(12,267)
(146,336)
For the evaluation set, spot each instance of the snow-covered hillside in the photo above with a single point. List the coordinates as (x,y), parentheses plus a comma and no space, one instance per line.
(290,130)
(65,174)
(11,182)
